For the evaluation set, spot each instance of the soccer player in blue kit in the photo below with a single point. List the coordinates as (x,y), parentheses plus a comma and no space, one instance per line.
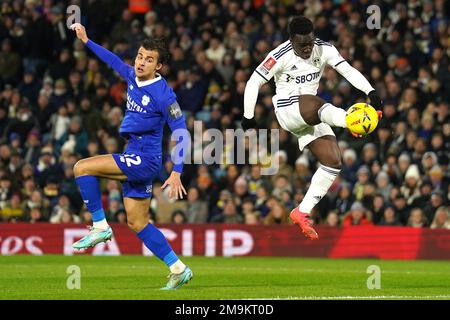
(150,104)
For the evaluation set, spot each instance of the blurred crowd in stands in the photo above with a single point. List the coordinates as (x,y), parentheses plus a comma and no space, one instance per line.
(59,103)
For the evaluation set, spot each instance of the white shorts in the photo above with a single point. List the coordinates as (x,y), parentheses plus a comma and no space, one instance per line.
(288,115)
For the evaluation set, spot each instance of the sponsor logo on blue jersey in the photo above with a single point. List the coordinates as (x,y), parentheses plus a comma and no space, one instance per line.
(133,106)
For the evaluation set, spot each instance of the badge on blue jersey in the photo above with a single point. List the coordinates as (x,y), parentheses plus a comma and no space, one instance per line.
(145,100)
(175,110)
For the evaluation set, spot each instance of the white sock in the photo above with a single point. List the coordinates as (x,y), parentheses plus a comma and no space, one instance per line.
(102,224)
(177,267)
(320,183)
(332,115)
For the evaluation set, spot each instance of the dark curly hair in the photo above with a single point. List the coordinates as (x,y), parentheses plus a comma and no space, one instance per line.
(159,45)
(300,25)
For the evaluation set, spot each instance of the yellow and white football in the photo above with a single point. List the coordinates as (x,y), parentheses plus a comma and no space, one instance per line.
(361,118)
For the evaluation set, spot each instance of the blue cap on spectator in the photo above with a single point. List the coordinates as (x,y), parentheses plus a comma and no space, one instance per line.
(13,136)
(39,9)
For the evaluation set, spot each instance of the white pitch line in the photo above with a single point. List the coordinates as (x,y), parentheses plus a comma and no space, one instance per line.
(354,297)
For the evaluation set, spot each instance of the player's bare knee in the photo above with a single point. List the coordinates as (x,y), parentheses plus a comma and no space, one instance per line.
(333,162)
(136,225)
(79,169)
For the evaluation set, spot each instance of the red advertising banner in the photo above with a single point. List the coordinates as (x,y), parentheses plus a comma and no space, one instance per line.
(237,240)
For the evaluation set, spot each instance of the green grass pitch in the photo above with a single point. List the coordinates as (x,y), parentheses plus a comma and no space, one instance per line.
(137,277)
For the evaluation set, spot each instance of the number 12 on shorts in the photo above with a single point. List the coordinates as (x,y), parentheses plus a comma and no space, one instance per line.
(130,159)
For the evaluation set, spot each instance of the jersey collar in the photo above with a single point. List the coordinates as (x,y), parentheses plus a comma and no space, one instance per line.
(147,82)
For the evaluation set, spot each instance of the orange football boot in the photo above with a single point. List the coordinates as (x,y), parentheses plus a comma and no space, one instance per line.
(303,220)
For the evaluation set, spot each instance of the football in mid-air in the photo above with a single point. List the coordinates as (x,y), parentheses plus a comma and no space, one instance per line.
(361,118)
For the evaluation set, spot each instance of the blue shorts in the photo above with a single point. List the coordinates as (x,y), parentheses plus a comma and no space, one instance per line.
(141,169)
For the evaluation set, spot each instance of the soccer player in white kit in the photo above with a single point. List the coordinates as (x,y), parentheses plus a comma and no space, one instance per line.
(297,66)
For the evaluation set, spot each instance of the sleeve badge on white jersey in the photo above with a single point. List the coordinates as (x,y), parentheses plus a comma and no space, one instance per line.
(267,65)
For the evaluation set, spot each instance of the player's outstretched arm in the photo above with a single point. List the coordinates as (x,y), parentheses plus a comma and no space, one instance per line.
(177,124)
(360,82)
(262,74)
(250,97)
(335,60)
(105,55)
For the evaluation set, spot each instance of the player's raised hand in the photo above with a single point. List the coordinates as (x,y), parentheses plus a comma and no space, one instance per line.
(248,123)
(81,31)
(375,100)
(175,186)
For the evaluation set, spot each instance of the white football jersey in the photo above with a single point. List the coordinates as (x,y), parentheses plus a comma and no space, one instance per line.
(293,75)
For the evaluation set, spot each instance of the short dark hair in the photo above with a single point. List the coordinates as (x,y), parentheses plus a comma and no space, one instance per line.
(159,45)
(300,25)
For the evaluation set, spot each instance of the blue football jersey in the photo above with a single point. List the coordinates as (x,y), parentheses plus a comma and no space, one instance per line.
(150,104)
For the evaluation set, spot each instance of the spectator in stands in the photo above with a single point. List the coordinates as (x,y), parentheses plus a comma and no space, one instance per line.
(389,217)
(281,185)
(436,178)
(114,206)
(441,219)
(252,218)
(10,62)
(284,169)
(75,139)
(13,209)
(62,205)
(261,201)
(178,217)
(65,216)
(332,219)
(32,149)
(411,186)
(358,216)
(121,217)
(256,180)
(363,176)
(248,207)
(35,215)
(344,200)
(436,200)
(383,184)
(5,190)
(417,219)
(377,208)
(277,215)
(197,209)
(401,207)
(229,214)
(37,201)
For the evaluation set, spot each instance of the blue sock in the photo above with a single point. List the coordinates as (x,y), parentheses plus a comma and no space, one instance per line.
(155,241)
(92,196)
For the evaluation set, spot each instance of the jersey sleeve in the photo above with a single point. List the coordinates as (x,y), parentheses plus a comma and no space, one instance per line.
(175,119)
(332,56)
(110,59)
(270,66)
